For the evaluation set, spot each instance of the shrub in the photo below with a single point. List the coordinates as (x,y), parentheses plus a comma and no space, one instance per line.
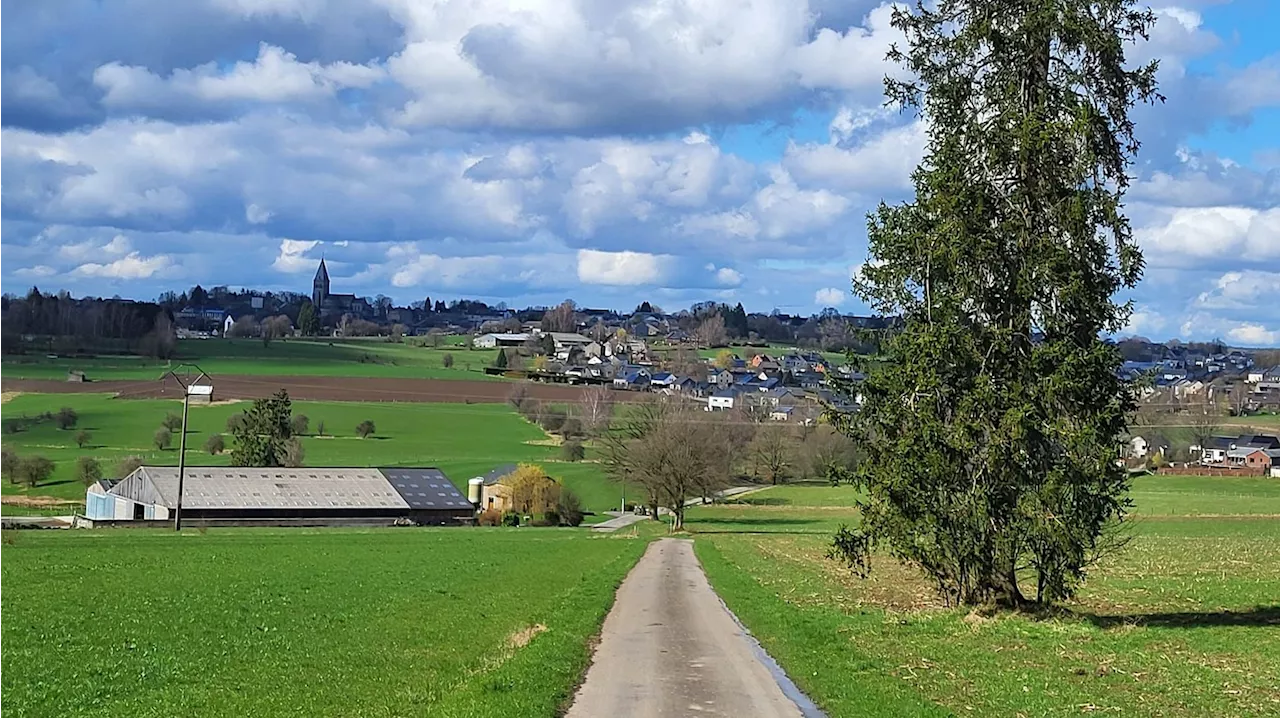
(365,429)
(88,470)
(571,428)
(162,439)
(572,450)
(511,518)
(569,507)
(215,445)
(128,465)
(299,423)
(172,421)
(489,517)
(234,422)
(553,418)
(82,438)
(293,454)
(34,470)
(320,430)
(67,417)
(447,361)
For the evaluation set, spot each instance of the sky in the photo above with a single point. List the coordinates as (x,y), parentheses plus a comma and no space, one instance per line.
(529,151)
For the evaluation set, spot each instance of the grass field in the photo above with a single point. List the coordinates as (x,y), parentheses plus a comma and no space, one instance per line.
(448,622)
(1184,622)
(355,358)
(463,440)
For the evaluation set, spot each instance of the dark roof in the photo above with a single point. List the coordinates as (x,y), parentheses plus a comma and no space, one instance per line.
(322,274)
(498,474)
(425,488)
(1263,441)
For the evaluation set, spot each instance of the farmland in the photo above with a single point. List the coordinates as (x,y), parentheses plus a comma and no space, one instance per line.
(351,358)
(296,622)
(462,440)
(1183,622)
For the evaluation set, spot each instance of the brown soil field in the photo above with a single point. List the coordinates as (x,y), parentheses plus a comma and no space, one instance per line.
(320,388)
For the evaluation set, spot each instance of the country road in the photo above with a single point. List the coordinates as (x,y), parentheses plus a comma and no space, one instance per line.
(671,648)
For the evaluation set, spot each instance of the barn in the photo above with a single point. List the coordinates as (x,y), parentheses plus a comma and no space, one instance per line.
(282,497)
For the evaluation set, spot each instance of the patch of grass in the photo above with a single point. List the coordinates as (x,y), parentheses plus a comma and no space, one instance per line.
(463,440)
(297,622)
(301,357)
(1184,622)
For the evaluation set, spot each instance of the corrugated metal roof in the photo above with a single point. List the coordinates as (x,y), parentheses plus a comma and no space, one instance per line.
(426,489)
(209,487)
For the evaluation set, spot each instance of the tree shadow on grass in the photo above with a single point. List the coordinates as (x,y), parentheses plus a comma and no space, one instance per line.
(752,521)
(1258,617)
(754,501)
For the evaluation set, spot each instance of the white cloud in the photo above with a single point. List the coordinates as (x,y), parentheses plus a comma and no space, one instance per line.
(1254,335)
(292,258)
(728,277)
(1144,322)
(131,266)
(1245,289)
(622,268)
(1229,234)
(38,271)
(881,161)
(829,297)
(255,214)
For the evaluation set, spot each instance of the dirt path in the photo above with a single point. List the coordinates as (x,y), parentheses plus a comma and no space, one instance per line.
(671,648)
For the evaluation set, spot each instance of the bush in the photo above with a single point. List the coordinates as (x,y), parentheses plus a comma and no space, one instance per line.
(293,454)
(553,418)
(34,470)
(82,438)
(215,445)
(489,517)
(511,518)
(162,439)
(67,417)
(569,508)
(571,428)
(234,422)
(128,465)
(299,423)
(572,450)
(88,470)
(172,421)
(447,361)
(365,429)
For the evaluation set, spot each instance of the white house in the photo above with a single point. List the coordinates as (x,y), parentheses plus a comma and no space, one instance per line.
(492,341)
(1255,376)
(720,401)
(1138,447)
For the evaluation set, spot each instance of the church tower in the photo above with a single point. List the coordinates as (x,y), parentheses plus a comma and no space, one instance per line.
(320,286)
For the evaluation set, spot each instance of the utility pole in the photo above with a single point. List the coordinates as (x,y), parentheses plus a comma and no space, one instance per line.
(189,386)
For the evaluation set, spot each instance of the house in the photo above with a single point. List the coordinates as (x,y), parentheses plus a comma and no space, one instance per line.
(312,496)
(1253,457)
(721,400)
(719,377)
(663,380)
(781,413)
(564,340)
(493,341)
(493,493)
(632,377)
(1272,374)
(1214,450)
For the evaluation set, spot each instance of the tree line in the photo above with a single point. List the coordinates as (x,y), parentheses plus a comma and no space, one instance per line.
(60,323)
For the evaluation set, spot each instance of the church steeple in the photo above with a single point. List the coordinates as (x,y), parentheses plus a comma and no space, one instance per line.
(320,285)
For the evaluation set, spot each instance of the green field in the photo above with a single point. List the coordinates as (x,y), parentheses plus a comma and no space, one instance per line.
(302,357)
(1184,622)
(440,622)
(463,440)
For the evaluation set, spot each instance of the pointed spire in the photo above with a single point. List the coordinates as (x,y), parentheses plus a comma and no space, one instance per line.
(322,274)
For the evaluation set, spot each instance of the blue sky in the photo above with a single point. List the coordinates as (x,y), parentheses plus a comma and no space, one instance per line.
(529,152)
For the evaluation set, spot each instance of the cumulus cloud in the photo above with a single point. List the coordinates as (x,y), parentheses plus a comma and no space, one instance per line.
(292,258)
(829,297)
(1228,234)
(1246,289)
(131,266)
(622,268)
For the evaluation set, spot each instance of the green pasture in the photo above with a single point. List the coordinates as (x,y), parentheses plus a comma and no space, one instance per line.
(463,440)
(440,622)
(1185,621)
(283,357)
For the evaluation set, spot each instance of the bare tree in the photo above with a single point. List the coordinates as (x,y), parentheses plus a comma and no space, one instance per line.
(562,318)
(773,453)
(274,328)
(517,397)
(597,410)
(711,332)
(244,327)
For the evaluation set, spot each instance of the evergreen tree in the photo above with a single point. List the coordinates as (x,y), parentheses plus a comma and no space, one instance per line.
(990,454)
(308,320)
(262,437)
(500,361)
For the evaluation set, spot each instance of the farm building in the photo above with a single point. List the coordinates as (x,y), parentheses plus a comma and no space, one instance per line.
(493,493)
(307,496)
(492,341)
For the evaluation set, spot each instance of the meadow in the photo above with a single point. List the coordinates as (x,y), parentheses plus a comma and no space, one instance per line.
(375,358)
(463,440)
(441,622)
(1184,622)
